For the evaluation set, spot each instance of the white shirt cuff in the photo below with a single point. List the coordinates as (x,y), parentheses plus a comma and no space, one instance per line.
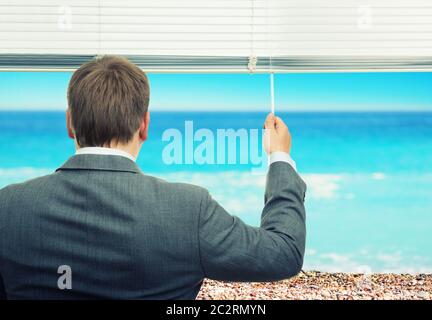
(282,156)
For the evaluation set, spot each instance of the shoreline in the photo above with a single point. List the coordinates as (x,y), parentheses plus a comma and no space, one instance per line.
(315,285)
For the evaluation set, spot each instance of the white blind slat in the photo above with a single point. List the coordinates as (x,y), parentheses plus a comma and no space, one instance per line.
(219,34)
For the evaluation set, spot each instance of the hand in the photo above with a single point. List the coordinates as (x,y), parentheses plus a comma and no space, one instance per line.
(277,136)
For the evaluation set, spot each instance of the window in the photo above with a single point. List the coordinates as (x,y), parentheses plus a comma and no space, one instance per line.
(362,142)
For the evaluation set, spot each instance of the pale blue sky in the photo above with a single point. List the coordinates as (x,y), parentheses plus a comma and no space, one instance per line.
(205,92)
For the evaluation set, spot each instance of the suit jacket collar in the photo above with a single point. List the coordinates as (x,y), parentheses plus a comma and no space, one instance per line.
(100,162)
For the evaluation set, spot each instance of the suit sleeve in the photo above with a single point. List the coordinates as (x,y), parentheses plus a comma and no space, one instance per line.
(231,250)
(2,213)
(2,289)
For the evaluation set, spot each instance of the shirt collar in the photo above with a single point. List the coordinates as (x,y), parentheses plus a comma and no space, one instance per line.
(105,151)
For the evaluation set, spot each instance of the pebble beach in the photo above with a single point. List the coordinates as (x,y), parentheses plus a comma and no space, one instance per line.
(314,285)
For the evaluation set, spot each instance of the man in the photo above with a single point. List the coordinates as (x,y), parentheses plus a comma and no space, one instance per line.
(100,228)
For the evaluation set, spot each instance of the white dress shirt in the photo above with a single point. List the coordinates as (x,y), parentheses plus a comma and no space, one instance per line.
(274,157)
(105,151)
(282,156)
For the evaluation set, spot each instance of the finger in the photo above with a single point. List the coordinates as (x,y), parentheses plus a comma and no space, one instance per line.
(269,121)
(279,123)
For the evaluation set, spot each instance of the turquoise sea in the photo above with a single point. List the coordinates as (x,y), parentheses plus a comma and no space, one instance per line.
(369,176)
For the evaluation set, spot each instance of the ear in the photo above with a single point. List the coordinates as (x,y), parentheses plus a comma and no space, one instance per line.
(143,130)
(70,130)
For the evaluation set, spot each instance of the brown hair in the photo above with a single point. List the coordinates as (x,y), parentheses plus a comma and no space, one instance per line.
(108,98)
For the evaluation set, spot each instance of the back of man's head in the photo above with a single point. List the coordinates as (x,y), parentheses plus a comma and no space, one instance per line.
(108,99)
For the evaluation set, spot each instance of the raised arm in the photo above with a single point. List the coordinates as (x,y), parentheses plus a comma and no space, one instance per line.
(231,250)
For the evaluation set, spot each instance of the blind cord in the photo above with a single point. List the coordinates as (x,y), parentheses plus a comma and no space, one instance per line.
(272,97)
(272,100)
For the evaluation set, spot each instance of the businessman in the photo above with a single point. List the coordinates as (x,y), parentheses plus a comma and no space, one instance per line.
(100,228)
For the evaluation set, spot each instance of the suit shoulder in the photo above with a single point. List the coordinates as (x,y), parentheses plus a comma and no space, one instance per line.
(26,185)
(181,188)
(14,195)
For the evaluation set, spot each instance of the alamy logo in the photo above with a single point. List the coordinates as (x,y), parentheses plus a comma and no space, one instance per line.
(204,146)
(64,282)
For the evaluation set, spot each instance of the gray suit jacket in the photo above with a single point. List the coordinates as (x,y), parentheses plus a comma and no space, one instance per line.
(128,235)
